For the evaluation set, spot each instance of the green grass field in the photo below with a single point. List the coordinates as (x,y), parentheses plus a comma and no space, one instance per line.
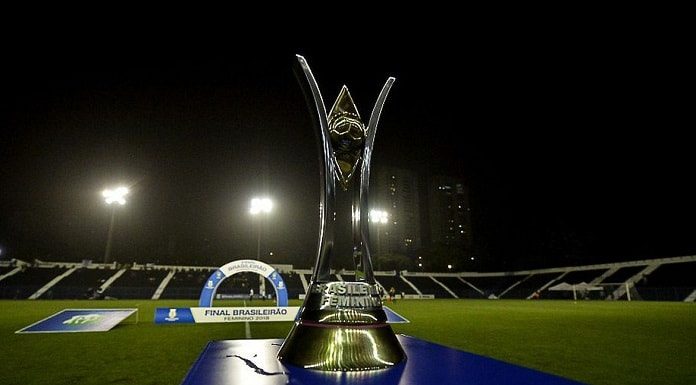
(592,342)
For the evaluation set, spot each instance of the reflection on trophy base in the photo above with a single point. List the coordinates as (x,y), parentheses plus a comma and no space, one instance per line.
(334,347)
(342,327)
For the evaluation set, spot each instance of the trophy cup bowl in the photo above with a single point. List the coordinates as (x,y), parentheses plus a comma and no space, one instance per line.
(341,325)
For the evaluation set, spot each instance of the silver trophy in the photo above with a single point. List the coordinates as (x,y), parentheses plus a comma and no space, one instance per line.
(341,325)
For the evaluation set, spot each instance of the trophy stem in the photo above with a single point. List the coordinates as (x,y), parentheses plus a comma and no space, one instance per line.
(365,177)
(327,198)
(360,252)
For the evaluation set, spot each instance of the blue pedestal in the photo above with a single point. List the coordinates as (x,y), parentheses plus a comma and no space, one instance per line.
(241,362)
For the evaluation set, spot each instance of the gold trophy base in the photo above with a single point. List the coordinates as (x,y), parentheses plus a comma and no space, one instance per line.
(340,347)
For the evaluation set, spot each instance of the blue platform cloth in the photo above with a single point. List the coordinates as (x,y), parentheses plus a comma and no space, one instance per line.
(239,362)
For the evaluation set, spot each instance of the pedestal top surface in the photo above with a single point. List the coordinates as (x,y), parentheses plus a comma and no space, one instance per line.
(237,362)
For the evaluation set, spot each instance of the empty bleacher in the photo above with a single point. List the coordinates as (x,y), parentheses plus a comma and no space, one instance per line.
(136,284)
(239,285)
(27,282)
(668,282)
(186,285)
(389,281)
(666,279)
(493,285)
(294,285)
(530,284)
(427,286)
(459,287)
(78,285)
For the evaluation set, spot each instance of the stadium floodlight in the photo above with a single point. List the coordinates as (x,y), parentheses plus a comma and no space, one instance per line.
(111,196)
(379,216)
(116,195)
(260,206)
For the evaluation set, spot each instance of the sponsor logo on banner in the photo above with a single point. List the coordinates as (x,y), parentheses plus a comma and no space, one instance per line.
(172,316)
(82,319)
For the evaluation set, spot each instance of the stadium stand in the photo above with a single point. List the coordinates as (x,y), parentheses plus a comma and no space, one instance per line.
(530,284)
(665,279)
(80,284)
(27,281)
(668,282)
(5,269)
(389,281)
(294,284)
(186,285)
(136,284)
(493,285)
(427,286)
(459,287)
(239,285)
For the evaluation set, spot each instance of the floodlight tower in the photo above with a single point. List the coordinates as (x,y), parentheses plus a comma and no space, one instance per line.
(380,218)
(113,197)
(260,206)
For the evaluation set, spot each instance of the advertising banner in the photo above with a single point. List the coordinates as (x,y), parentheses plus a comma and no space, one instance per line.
(79,320)
(166,315)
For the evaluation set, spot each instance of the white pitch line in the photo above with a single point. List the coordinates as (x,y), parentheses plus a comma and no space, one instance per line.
(247,329)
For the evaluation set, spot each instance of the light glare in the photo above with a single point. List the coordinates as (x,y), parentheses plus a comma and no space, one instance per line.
(116,195)
(379,216)
(260,205)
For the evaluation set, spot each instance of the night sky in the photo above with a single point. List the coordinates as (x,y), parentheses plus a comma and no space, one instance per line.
(575,149)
